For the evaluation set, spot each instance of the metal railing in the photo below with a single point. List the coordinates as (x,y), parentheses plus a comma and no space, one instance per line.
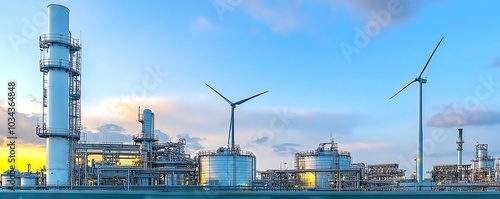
(44,131)
(316,152)
(142,137)
(229,152)
(54,63)
(48,38)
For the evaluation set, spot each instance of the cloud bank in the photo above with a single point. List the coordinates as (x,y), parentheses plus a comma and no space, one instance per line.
(451,116)
(286,149)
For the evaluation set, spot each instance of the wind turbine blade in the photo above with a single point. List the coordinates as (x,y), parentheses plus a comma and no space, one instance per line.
(220,94)
(423,69)
(411,82)
(243,101)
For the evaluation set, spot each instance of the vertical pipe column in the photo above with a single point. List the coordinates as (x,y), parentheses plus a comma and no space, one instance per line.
(58,100)
(460,143)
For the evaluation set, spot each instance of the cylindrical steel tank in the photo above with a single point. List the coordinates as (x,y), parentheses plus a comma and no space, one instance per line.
(482,155)
(28,180)
(148,123)
(11,177)
(321,159)
(148,129)
(226,167)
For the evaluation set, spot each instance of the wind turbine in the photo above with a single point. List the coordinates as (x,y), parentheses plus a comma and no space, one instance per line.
(420,144)
(233,106)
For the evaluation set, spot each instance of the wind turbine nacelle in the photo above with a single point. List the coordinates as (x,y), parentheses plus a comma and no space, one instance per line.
(421,80)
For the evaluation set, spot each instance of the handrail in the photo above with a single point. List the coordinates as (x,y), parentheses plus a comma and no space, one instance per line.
(58,38)
(211,152)
(51,62)
(316,152)
(142,136)
(52,131)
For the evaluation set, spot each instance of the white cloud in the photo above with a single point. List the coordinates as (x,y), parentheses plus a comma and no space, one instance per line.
(25,126)
(362,8)
(458,116)
(283,17)
(287,149)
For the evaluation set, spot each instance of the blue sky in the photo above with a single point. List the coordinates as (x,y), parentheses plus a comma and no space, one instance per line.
(160,54)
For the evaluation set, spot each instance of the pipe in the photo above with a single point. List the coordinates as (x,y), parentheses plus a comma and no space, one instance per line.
(460,143)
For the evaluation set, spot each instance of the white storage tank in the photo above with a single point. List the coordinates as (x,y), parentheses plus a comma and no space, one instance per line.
(29,180)
(482,155)
(482,159)
(11,177)
(323,158)
(226,167)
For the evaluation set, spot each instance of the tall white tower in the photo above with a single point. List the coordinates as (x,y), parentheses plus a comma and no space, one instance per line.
(60,63)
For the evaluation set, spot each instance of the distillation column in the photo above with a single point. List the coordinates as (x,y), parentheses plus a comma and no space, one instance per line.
(61,81)
(146,137)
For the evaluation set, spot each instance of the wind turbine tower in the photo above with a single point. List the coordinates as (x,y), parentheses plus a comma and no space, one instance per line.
(420,143)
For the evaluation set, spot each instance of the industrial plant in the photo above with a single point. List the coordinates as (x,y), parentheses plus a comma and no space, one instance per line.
(74,163)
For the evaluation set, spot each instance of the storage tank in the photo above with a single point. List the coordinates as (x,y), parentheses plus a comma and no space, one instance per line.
(482,155)
(11,177)
(29,180)
(226,167)
(323,158)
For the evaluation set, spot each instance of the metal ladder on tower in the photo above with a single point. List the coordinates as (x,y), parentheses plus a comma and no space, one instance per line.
(43,129)
(75,92)
(74,104)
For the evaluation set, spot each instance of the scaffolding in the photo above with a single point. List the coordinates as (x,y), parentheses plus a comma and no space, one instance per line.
(445,174)
(384,172)
(279,179)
